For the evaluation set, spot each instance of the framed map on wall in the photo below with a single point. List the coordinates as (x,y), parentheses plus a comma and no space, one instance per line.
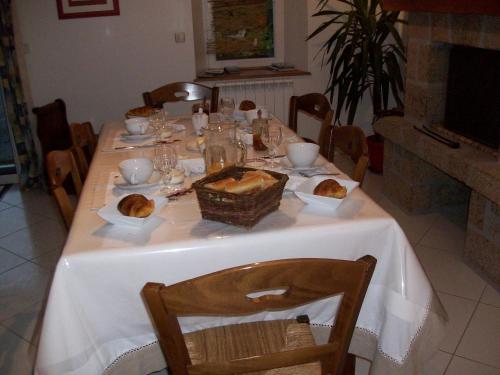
(242,29)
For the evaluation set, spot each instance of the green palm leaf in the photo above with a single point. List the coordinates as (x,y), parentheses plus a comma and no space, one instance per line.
(364,53)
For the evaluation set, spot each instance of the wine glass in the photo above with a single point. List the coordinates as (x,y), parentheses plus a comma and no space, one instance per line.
(271,136)
(227,107)
(165,160)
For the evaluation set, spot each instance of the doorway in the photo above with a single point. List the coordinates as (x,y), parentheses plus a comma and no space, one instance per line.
(8,155)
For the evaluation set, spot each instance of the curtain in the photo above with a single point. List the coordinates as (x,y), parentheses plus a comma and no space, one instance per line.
(15,106)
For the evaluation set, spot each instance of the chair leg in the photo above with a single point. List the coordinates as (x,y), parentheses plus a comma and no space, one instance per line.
(350,365)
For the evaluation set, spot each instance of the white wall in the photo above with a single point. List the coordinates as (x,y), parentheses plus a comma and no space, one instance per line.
(318,80)
(101,66)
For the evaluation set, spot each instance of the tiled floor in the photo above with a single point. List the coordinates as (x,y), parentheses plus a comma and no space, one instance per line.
(32,235)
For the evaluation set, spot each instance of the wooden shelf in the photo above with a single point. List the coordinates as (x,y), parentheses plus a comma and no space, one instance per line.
(489,7)
(254,73)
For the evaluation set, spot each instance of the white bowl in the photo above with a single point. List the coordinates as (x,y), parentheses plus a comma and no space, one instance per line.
(136,171)
(305,192)
(137,125)
(302,155)
(252,114)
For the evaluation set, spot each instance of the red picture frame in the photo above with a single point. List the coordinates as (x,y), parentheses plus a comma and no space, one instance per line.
(68,9)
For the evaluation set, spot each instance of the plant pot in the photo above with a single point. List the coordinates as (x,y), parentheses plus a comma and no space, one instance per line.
(376,152)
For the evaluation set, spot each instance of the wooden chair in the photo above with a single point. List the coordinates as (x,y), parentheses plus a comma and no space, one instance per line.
(52,127)
(182,92)
(81,162)
(83,136)
(241,348)
(316,105)
(351,140)
(60,165)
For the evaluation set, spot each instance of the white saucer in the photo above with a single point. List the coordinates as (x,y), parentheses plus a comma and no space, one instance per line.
(135,137)
(285,163)
(111,214)
(153,181)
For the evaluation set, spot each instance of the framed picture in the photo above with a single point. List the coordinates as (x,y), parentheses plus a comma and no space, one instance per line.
(87,8)
(242,29)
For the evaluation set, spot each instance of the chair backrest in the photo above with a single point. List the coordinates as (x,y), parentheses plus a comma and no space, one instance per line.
(83,136)
(316,105)
(52,127)
(351,140)
(226,293)
(81,162)
(182,92)
(60,165)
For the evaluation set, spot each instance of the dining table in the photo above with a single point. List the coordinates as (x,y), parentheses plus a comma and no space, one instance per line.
(96,322)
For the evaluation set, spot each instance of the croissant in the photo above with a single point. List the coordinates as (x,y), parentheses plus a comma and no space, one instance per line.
(330,188)
(136,205)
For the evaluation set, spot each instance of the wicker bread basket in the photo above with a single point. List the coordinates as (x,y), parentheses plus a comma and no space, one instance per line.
(243,210)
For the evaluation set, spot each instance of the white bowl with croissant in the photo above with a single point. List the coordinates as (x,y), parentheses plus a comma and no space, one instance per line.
(329,196)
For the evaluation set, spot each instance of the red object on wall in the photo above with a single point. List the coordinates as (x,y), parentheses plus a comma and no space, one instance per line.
(489,7)
(68,9)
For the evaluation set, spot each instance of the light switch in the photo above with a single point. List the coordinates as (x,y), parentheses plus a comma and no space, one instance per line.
(180,37)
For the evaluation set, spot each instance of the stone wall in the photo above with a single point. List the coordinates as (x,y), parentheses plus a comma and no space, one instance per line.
(416,185)
(423,175)
(483,235)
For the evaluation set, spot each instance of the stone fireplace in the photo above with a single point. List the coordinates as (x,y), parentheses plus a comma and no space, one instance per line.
(422,174)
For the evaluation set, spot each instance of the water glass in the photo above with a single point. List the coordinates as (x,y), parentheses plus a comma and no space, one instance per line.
(165,160)
(157,121)
(271,136)
(227,107)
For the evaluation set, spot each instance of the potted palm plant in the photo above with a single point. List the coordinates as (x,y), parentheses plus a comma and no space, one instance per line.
(363,53)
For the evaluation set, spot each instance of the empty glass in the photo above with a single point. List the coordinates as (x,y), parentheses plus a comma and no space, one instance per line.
(227,107)
(271,136)
(165,160)
(157,121)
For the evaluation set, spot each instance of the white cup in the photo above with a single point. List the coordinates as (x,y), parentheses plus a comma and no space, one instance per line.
(253,114)
(137,125)
(302,155)
(136,171)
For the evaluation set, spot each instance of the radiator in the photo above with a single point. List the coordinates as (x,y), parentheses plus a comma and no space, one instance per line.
(272,94)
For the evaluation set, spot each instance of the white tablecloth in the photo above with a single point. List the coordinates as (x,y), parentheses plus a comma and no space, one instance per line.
(95,313)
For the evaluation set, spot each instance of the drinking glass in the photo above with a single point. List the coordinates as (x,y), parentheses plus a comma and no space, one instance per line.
(227,107)
(157,120)
(271,136)
(165,160)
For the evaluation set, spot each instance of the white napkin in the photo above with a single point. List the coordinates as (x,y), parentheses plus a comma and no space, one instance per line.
(192,166)
(294,181)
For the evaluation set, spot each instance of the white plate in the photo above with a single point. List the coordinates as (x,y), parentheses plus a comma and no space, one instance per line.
(305,192)
(135,137)
(285,163)
(111,214)
(176,128)
(153,181)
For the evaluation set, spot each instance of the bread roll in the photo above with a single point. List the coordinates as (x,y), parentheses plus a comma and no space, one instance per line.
(145,111)
(264,175)
(219,185)
(136,205)
(330,188)
(245,185)
(247,105)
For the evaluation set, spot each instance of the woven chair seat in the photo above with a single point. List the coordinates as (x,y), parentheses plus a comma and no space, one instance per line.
(235,341)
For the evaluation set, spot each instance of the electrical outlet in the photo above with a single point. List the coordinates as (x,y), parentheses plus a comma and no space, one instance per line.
(180,37)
